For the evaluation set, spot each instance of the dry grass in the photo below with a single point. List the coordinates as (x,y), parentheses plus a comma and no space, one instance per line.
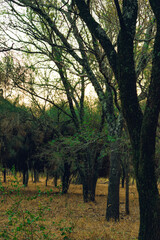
(85,220)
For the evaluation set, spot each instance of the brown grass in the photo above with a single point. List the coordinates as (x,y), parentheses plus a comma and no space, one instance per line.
(87,220)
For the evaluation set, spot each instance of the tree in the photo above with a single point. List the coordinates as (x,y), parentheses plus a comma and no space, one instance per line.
(141,126)
(49,41)
(15,138)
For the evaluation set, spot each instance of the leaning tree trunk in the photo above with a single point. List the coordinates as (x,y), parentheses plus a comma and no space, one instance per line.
(112,211)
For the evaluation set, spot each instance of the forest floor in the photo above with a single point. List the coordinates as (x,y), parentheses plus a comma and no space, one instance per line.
(39,212)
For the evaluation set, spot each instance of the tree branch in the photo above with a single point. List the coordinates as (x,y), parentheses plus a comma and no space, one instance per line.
(99,33)
(119,14)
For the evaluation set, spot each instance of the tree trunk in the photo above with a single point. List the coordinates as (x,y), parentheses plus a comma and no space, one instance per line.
(89,174)
(46,177)
(4,175)
(149,200)
(92,188)
(149,213)
(32,177)
(66,177)
(85,190)
(36,175)
(55,179)
(123,176)
(112,211)
(89,187)
(88,178)
(25,177)
(127,191)
(84,174)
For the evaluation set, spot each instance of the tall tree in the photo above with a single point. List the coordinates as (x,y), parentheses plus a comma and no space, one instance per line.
(141,126)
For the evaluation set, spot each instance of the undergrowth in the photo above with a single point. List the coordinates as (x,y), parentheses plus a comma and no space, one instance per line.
(28,224)
(39,212)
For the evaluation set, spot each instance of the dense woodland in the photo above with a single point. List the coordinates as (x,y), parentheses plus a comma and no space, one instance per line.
(80,98)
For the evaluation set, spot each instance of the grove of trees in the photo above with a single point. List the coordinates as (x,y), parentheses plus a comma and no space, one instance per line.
(57,53)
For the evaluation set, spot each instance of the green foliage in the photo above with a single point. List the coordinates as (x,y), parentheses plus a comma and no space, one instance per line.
(65,231)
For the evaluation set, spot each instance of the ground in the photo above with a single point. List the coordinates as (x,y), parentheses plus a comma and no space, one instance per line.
(39,212)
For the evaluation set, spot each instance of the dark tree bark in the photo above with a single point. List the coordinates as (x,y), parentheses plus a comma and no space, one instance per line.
(112,211)
(88,172)
(89,185)
(141,127)
(92,188)
(55,179)
(123,175)
(114,180)
(87,179)
(36,176)
(47,177)
(4,175)
(66,177)
(25,177)
(32,177)
(89,182)
(127,192)
(114,131)
(25,174)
